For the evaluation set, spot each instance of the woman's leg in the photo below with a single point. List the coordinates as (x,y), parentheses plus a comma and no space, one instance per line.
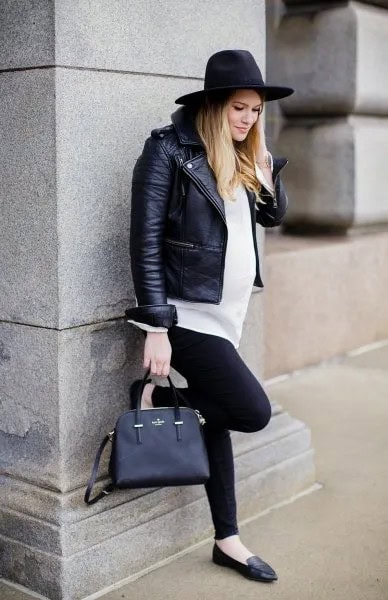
(229,396)
(220,385)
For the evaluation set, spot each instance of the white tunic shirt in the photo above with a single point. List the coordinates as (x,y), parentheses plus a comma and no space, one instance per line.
(225,319)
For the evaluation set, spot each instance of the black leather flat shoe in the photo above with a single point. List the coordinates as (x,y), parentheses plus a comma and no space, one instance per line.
(255,568)
(134,391)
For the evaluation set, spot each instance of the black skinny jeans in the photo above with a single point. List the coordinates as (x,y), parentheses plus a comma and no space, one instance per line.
(228,395)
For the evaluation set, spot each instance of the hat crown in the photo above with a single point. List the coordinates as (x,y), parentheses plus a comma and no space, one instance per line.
(229,68)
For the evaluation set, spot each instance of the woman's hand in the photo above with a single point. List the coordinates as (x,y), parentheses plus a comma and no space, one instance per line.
(157,353)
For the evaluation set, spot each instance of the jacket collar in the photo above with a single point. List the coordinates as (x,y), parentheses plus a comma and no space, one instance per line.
(183,121)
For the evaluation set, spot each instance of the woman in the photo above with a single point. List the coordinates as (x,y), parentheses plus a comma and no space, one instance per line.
(199,187)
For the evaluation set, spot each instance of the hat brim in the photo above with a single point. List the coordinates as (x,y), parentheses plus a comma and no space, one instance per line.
(271,92)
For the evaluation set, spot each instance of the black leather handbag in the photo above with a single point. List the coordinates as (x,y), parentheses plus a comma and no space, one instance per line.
(154,447)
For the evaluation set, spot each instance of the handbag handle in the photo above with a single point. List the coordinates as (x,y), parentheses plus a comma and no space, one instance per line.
(137,403)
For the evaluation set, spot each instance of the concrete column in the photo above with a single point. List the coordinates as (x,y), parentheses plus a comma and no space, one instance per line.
(82,84)
(333,54)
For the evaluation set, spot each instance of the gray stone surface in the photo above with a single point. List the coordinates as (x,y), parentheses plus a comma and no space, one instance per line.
(334,59)
(29,244)
(10,591)
(27,33)
(29,445)
(52,423)
(171,39)
(321,183)
(330,184)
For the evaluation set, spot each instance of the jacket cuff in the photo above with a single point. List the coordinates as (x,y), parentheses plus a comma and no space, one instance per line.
(278,164)
(260,176)
(157,315)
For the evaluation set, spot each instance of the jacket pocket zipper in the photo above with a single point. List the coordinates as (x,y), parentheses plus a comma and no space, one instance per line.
(178,243)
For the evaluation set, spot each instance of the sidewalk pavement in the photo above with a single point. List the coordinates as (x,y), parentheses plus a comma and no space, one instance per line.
(330,544)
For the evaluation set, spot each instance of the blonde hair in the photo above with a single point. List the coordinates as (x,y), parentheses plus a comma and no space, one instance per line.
(231,162)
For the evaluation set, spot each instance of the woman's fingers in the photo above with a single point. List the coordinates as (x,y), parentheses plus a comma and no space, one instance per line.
(166,369)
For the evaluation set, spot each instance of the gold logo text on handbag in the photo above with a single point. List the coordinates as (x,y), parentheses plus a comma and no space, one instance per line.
(157,422)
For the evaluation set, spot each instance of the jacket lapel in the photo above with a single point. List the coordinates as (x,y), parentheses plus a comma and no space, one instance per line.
(199,171)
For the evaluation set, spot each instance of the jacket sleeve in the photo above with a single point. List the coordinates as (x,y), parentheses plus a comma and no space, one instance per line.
(151,186)
(272,212)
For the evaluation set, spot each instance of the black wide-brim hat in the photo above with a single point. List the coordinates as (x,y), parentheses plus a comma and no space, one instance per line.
(234,69)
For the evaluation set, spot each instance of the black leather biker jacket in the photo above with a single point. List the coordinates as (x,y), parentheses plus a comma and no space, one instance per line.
(178,230)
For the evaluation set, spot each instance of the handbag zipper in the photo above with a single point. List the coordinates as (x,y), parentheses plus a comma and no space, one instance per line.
(201,419)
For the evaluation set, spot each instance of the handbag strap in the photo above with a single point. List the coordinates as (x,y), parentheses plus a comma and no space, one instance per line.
(109,488)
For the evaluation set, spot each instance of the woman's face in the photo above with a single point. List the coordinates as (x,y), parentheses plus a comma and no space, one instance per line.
(243,109)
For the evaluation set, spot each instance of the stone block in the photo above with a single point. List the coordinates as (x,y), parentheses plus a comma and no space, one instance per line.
(340,309)
(331,179)
(62,392)
(29,243)
(334,59)
(27,34)
(29,444)
(149,37)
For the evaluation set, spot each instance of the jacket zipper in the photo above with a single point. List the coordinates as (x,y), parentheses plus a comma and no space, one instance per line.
(179,243)
(183,191)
